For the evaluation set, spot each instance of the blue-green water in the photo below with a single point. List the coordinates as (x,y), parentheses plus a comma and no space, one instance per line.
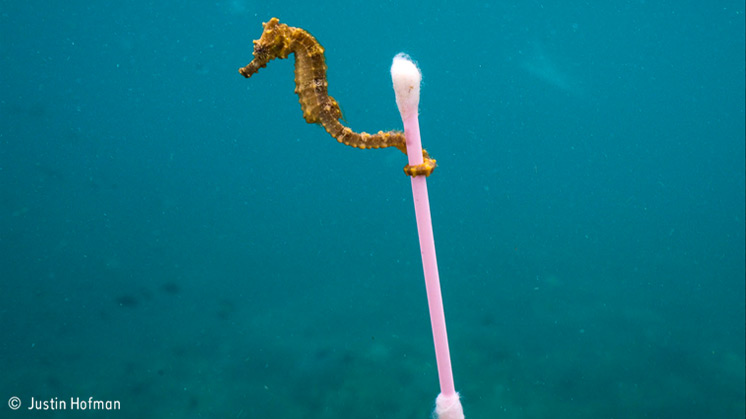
(176,237)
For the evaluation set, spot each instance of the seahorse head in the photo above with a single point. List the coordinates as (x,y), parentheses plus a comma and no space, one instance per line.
(273,43)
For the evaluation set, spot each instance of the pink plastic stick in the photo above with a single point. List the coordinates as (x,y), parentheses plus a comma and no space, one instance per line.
(429,261)
(447,404)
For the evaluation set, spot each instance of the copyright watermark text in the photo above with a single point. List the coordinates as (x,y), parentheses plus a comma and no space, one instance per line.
(73,403)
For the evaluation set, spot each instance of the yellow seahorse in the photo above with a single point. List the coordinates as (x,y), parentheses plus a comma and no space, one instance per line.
(279,41)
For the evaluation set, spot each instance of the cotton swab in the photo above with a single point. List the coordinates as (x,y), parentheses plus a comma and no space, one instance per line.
(407,77)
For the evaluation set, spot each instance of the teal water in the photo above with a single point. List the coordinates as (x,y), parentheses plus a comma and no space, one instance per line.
(176,237)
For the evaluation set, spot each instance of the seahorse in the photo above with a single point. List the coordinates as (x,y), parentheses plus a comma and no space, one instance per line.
(279,41)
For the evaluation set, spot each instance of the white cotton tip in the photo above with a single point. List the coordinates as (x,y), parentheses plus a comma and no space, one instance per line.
(448,407)
(407,78)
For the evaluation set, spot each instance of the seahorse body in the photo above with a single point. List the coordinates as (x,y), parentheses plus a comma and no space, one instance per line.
(279,41)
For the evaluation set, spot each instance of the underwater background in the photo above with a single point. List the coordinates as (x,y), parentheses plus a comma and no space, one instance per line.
(177,238)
